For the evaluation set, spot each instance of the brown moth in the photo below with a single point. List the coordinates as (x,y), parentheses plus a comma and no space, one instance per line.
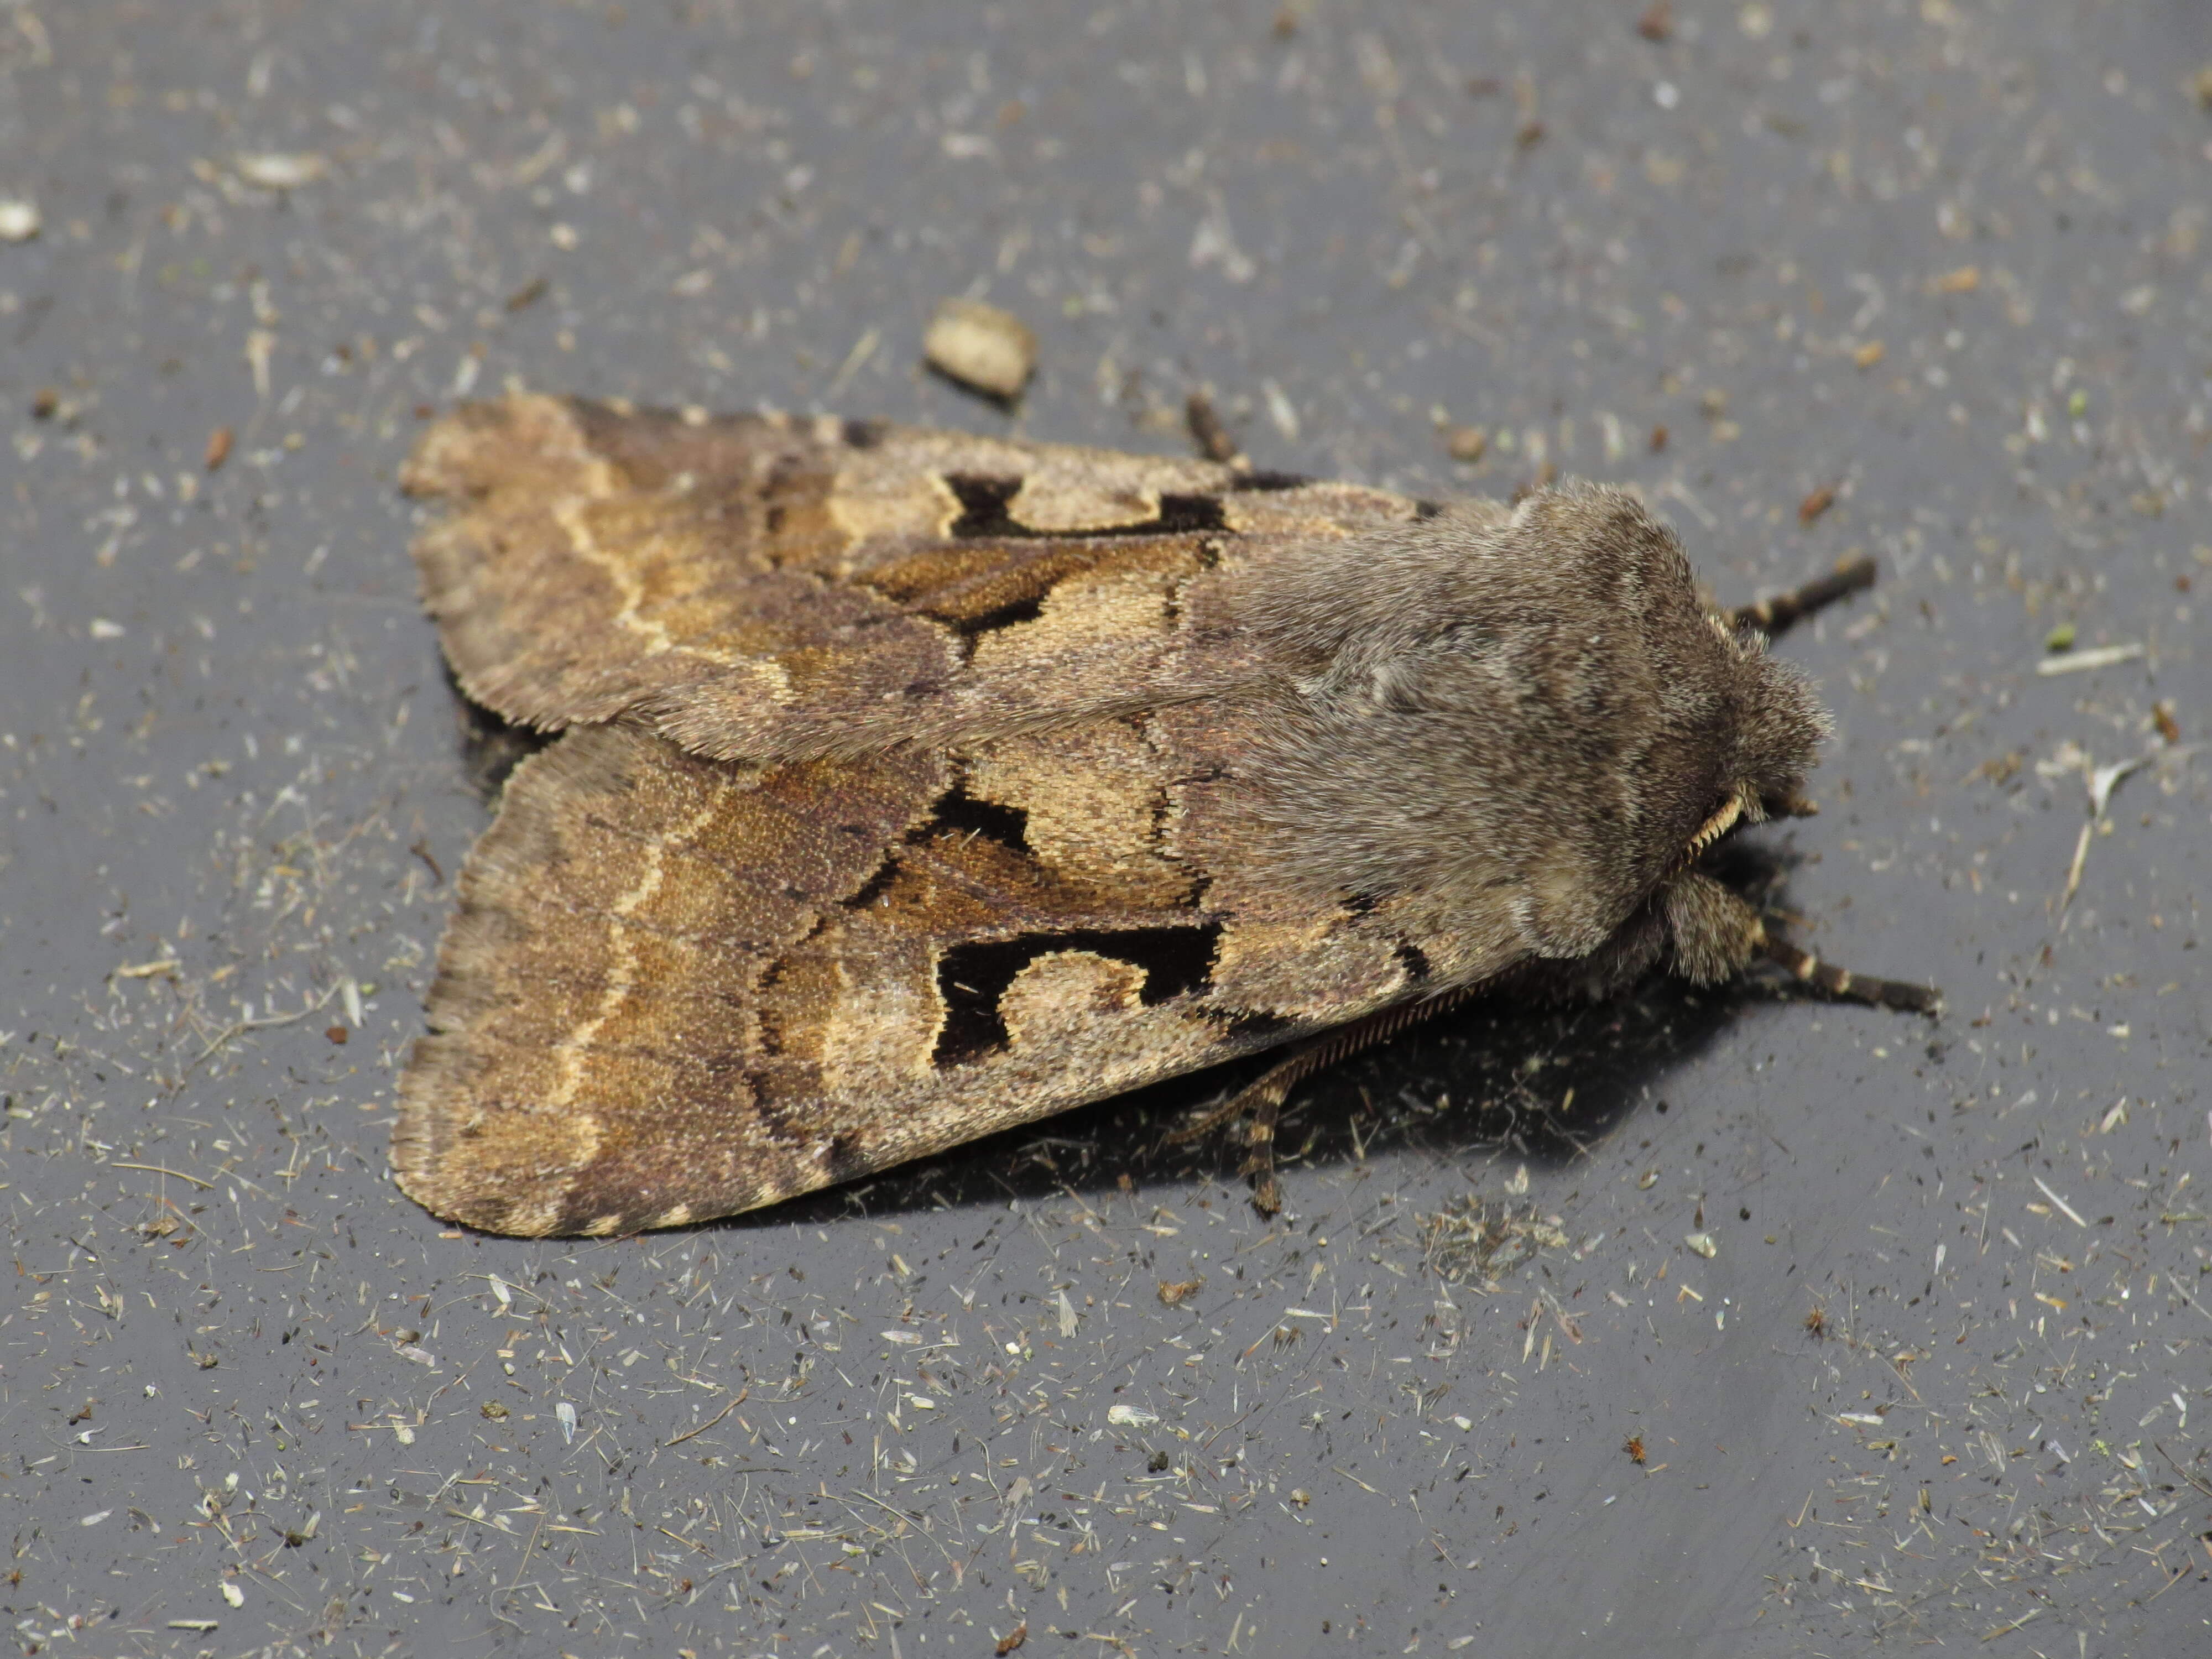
(911,785)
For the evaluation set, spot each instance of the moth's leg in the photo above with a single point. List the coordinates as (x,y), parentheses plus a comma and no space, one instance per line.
(1772,616)
(1714,934)
(1261,1101)
(1844,987)
(1214,440)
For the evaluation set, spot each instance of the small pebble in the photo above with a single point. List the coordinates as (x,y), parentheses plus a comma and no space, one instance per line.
(1467,443)
(982,347)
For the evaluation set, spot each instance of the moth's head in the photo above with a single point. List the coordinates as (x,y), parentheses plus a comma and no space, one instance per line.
(1767,742)
(1700,730)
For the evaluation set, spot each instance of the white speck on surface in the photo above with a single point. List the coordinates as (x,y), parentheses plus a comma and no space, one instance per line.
(281,170)
(19,219)
(1130,1416)
(2102,656)
(567,1415)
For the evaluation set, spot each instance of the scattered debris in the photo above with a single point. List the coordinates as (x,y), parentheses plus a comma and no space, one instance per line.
(2074,870)
(1175,1293)
(1703,1243)
(1214,440)
(2102,656)
(1013,1639)
(19,219)
(1869,354)
(2064,1208)
(218,448)
(2105,779)
(1815,504)
(1130,1416)
(1656,24)
(981,347)
(280,170)
(1467,443)
(2060,638)
(1478,1242)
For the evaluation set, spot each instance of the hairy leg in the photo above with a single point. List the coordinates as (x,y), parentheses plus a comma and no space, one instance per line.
(1260,1102)
(1714,934)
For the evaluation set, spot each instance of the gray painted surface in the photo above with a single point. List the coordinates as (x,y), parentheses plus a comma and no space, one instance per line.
(245,1383)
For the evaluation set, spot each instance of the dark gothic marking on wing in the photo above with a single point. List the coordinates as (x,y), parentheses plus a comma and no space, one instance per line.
(984,502)
(972,977)
(958,813)
(1254,1027)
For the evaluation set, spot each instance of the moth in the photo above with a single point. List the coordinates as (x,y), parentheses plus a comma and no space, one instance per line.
(907,786)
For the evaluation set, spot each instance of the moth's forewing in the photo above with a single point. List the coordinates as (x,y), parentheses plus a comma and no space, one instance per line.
(765,586)
(679,988)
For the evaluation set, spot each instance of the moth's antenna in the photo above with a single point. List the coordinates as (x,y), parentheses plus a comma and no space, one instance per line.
(1772,616)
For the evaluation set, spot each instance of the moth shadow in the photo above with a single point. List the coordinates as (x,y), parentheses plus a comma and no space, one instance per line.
(491,748)
(1544,1086)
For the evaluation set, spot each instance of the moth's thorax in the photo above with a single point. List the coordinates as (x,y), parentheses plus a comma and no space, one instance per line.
(1519,718)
